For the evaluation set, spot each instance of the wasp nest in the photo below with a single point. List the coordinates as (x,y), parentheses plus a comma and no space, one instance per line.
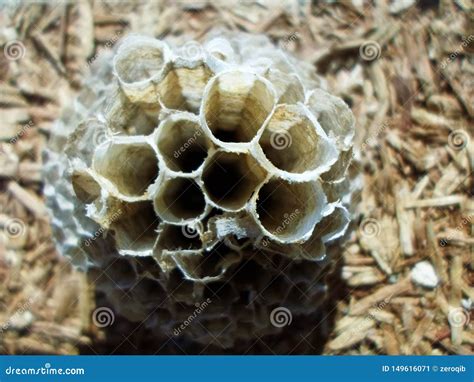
(208,174)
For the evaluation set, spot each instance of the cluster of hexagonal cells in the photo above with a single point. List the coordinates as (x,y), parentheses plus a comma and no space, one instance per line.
(209,148)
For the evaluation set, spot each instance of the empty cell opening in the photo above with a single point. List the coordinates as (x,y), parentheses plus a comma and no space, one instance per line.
(84,186)
(182,88)
(175,238)
(288,87)
(237,105)
(130,167)
(290,140)
(230,179)
(134,226)
(140,62)
(286,209)
(208,264)
(332,226)
(180,288)
(180,199)
(334,116)
(183,145)
(216,260)
(127,118)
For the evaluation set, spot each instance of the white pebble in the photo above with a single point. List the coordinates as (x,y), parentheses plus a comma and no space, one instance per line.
(424,274)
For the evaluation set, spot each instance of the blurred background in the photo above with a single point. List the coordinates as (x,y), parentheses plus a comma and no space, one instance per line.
(406,68)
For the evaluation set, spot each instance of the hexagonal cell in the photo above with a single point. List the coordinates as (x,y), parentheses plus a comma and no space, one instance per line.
(289,211)
(332,226)
(138,62)
(339,168)
(292,143)
(182,88)
(334,116)
(130,167)
(134,228)
(85,187)
(221,49)
(177,238)
(182,143)
(230,179)
(236,105)
(288,86)
(127,118)
(179,199)
(179,288)
(208,265)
